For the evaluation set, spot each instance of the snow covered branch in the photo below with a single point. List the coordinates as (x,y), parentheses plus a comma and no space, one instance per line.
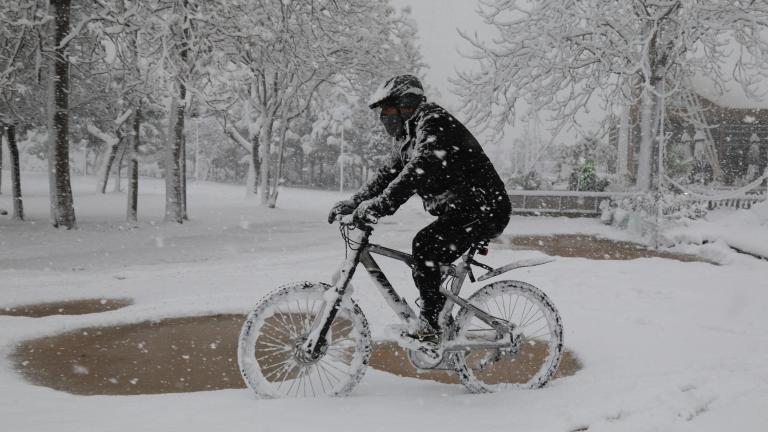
(559,55)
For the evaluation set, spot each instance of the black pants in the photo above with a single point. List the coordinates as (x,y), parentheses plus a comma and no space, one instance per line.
(442,242)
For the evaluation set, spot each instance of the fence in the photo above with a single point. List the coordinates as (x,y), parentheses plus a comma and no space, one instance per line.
(587,204)
(745,201)
(561,203)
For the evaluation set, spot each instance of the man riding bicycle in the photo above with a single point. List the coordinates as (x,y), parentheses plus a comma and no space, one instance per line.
(436,157)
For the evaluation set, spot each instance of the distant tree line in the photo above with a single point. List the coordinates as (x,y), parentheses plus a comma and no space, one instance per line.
(255,92)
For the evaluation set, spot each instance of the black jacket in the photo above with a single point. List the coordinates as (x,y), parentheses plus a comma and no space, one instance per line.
(444,164)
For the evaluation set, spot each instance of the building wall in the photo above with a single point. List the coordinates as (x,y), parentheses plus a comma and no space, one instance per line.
(731,129)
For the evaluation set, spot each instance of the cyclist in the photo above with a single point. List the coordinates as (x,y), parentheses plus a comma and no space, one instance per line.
(436,157)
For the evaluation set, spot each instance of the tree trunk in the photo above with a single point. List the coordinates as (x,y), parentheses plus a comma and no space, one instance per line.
(133,169)
(265,141)
(623,150)
(300,163)
(106,166)
(1,159)
(117,187)
(255,165)
(279,170)
(62,204)
(646,141)
(13,150)
(183,180)
(173,210)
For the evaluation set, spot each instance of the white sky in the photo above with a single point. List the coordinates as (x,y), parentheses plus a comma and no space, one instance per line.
(440,43)
(439,40)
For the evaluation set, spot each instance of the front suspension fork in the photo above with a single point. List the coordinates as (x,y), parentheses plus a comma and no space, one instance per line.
(313,346)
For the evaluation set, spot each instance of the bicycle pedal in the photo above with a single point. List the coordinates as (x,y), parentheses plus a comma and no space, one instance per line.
(428,349)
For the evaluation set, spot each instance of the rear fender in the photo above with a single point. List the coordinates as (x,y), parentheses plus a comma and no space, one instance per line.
(514,265)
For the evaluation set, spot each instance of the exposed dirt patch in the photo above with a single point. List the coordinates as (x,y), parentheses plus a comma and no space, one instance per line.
(69,307)
(591,247)
(390,357)
(169,356)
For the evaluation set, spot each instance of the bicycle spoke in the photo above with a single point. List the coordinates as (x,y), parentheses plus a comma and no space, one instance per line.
(303,317)
(497,307)
(279,343)
(278,330)
(536,332)
(336,357)
(538,313)
(320,378)
(273,368)
(327,372)
(271,355)
(526,310)
(490,369)
(295,322)
(517,299)
(311,384)
(332,366)
(287,320)
(287,368)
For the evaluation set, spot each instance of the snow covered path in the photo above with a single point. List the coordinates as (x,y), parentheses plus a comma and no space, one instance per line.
(666,345)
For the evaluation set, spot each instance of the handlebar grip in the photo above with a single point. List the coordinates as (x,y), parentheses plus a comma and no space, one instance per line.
(351,221)
(346,219)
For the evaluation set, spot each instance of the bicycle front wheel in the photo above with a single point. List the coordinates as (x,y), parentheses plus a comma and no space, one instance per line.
(537,342)
(272,333)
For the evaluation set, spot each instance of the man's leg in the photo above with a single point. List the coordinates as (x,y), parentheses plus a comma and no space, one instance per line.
(440,242)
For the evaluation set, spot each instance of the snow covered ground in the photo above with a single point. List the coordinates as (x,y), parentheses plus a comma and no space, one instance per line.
(666,345)
(746,231)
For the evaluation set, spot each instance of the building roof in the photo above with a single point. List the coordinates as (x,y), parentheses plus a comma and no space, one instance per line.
(732,95)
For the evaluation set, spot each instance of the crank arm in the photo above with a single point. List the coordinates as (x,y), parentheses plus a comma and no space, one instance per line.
(463,345)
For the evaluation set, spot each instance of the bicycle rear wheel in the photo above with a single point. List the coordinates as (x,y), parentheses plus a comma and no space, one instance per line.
(267,349)
(537,345)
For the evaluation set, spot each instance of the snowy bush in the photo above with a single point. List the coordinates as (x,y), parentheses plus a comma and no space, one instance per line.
(531,181)
(640,215)
(585,179)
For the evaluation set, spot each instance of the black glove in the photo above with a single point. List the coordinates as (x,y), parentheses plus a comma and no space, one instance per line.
(344,207)
(365,212)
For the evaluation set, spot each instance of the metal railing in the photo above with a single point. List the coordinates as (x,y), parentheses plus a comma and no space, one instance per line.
(561,203)
(587,204)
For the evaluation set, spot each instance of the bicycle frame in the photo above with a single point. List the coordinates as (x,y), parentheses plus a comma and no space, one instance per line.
(333,298)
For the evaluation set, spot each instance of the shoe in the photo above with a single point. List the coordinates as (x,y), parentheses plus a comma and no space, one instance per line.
(426,333)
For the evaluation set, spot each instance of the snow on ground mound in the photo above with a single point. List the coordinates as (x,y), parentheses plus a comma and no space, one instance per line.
(745,230)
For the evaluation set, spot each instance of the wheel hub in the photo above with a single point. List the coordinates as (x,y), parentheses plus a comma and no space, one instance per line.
(304,357)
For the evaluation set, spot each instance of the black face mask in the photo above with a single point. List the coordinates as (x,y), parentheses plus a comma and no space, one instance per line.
(394,125)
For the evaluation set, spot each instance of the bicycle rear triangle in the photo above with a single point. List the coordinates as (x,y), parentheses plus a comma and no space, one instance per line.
(311,339)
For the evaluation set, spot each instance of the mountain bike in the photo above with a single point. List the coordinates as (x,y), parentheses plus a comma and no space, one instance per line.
(310,339)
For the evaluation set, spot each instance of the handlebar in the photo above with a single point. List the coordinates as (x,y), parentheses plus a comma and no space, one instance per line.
(350,221)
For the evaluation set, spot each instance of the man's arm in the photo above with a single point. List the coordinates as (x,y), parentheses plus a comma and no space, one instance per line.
(427,164)
(384,175)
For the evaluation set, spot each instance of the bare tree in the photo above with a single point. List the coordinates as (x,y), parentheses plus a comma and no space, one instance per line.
(290,49)
(62,205)
(188,34)
(559,55)
(13,150)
